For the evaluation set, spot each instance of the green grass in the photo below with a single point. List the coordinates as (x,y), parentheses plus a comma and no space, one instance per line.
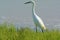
(9,32)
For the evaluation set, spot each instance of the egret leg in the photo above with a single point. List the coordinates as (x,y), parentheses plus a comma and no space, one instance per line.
(36,29)
(42,31)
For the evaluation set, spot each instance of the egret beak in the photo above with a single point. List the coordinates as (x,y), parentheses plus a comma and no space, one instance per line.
(27,2)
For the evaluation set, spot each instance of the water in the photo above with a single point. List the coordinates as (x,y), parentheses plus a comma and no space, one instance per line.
(16,12)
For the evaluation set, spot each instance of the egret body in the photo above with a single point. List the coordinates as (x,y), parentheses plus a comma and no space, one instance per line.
(37,20)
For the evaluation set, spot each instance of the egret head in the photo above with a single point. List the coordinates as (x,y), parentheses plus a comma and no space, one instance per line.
(29,2)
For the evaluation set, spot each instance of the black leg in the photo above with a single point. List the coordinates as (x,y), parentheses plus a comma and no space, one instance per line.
(36,29)
(42,30)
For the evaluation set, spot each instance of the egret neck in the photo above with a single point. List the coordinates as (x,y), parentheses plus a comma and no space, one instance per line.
(33,8)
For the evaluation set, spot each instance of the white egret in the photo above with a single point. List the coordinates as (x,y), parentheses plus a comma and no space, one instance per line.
(37,20)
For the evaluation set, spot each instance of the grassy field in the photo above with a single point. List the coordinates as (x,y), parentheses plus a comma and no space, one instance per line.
(9,32)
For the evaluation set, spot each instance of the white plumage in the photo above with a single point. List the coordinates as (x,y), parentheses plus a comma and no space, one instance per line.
(37,20)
